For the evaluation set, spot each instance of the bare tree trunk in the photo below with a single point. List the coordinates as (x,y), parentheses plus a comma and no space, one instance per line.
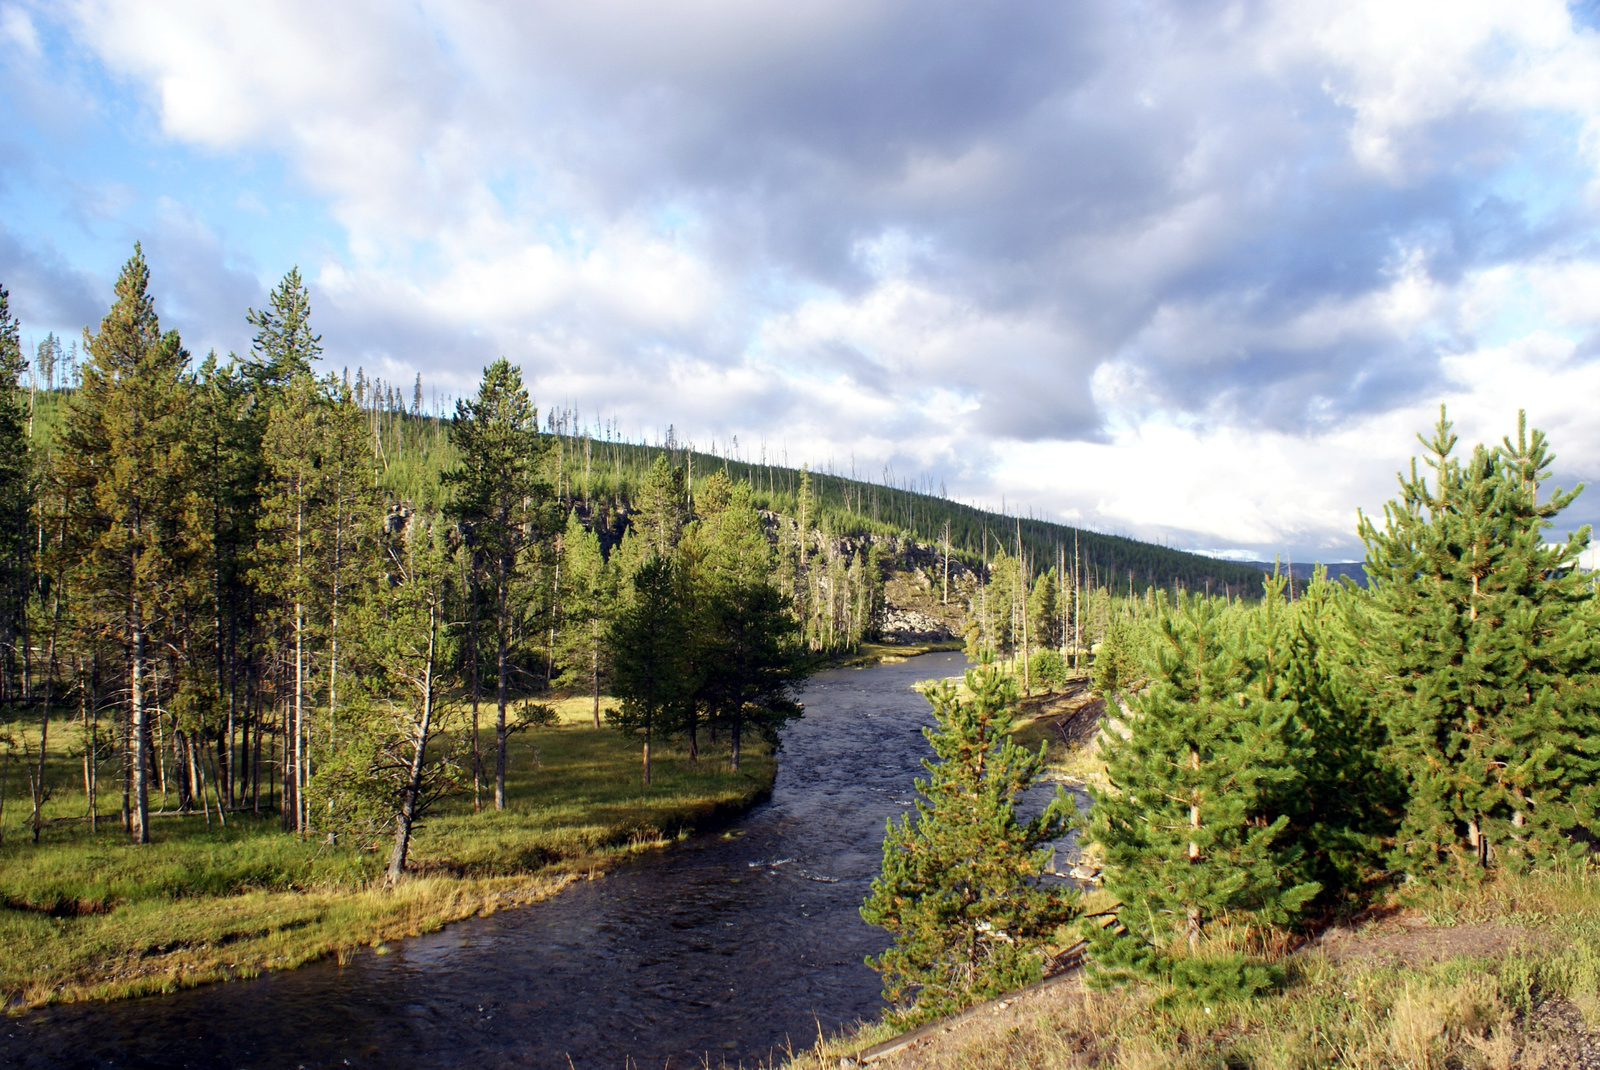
(477,754)
(408,804)
(644,773)
(299,714)
(90,743)
(594,666)
(139,728)
(44,737)
(733,745)
(502,670)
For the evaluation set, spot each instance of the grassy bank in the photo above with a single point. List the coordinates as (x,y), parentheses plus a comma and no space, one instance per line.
(1498,976)
(880,653)
(1495,975)
(91,916)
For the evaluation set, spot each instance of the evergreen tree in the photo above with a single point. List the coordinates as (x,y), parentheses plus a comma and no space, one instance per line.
(1118,666)
(1347,796)
(751,665)
(284,346)
(960,887)
(227,460)
(1186,828)
(502,504)
(16,499)
(288,561)
(743,654)
(661,509)
(1044,612)
(649,655)
(408,640)
(127,468)
(590,583)
(1480,636)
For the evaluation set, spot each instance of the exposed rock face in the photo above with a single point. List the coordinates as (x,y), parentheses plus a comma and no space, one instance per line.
(906,625)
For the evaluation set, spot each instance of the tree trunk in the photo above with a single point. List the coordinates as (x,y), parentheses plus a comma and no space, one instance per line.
(502,669)
(644,774)
(139,727)
(299,715)
(90,741)
(733,745)
(477,754)
(594,663)
(44,739)
(408,803)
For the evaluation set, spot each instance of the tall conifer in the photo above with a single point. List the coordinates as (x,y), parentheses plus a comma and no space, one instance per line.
(501,503)
(1482,637)
(127,466)
(15,500)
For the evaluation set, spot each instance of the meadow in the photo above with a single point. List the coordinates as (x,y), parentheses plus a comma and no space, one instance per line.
(90,915)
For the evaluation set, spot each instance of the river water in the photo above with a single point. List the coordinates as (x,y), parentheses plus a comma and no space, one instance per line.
(725,949)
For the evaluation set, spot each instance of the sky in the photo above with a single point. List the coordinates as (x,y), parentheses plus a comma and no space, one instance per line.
(1195,273)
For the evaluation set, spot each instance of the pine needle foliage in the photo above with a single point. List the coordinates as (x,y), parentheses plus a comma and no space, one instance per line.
(1187,828)
(1482,641)
(960,887)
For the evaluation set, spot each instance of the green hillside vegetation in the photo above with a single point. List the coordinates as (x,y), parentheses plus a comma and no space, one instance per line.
(267,633)
(1332,826)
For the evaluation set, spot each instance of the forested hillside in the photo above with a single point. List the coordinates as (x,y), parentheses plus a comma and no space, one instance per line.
(261,584)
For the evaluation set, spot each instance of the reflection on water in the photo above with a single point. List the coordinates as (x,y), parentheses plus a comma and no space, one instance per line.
(726,948)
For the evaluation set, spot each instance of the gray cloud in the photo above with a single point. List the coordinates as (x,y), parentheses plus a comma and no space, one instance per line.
(47,292)
(950,228)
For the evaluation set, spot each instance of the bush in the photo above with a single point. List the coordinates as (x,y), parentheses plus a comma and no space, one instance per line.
(1048,667)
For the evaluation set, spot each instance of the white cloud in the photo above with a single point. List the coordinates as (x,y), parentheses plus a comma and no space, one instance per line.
(1238,253)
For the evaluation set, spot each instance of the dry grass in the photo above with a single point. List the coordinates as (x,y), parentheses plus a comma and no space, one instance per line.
(1511,1003)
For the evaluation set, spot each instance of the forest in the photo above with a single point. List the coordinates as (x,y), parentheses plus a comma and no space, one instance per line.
(260,586)
(1268,782)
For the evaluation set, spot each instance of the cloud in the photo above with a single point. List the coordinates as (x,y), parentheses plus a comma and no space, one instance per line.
(44,288)
(938,234)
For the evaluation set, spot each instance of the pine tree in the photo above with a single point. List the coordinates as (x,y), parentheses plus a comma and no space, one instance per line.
(1186,830)
(16,500)
(743,651)
(127,467)
(1118,666)
(226,443)
(1347,796)
(1481,639)
(289,564)
(660,509)
(960,887)
(649,652)
(408,645)
(284,346)
(590,604)
(1044,612)
(502,504)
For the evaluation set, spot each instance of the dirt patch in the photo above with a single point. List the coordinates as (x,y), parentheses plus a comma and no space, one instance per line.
(1067,720)
(1408,940)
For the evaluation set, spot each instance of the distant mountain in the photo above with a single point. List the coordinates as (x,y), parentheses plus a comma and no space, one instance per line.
(1302,571)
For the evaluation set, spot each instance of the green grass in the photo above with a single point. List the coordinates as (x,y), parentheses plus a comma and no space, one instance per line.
(93,916)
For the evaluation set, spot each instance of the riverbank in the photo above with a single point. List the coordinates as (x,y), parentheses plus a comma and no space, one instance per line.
(890,653)
(91,916)
(1499,976)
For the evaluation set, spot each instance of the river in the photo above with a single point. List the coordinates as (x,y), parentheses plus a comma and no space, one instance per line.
(728,948)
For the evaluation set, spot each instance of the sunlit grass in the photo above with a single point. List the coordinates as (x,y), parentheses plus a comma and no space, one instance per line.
(92,915)
(1509,1008)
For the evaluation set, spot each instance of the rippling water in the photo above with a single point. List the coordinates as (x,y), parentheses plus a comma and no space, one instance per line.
(726,948)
